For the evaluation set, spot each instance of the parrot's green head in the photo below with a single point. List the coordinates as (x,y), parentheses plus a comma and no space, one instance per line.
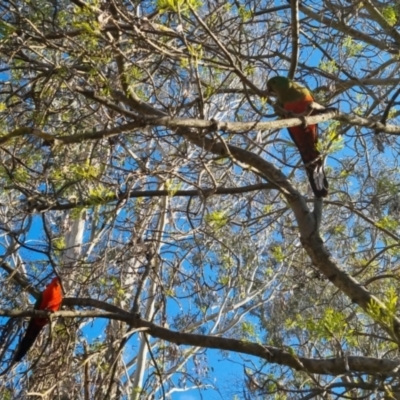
(286,90)
(278,84)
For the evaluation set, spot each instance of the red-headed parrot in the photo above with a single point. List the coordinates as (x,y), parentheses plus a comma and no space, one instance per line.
(297,99)
(49,300)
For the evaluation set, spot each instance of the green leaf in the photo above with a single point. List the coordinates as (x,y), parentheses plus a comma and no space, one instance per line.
(391,15)
(182,6)
(217,219)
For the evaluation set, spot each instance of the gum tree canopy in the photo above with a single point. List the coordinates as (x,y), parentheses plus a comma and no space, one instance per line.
(145,163)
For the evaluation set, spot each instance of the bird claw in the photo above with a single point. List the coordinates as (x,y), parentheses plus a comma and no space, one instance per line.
(318,177)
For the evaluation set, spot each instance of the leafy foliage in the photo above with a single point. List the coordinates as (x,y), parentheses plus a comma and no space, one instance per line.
(136,164)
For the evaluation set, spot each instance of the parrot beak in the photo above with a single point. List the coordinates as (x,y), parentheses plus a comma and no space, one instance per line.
(271,91)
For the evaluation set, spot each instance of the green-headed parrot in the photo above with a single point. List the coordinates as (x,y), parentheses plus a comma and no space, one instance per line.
(297,99)
(49,300)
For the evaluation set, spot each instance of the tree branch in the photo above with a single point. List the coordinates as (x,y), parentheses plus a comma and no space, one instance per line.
(331,366)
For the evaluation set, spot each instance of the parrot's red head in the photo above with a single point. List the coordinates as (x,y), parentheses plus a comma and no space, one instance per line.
(52,296)
(55,282)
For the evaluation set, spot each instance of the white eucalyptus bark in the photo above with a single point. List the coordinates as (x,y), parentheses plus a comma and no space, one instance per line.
(149,313)
(73,240)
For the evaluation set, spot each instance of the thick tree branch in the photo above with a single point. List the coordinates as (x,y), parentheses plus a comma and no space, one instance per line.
(40,206)
(229,127)
(332,366)
(294,4)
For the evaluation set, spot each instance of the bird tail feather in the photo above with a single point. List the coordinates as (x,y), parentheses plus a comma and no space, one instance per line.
(26,343)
